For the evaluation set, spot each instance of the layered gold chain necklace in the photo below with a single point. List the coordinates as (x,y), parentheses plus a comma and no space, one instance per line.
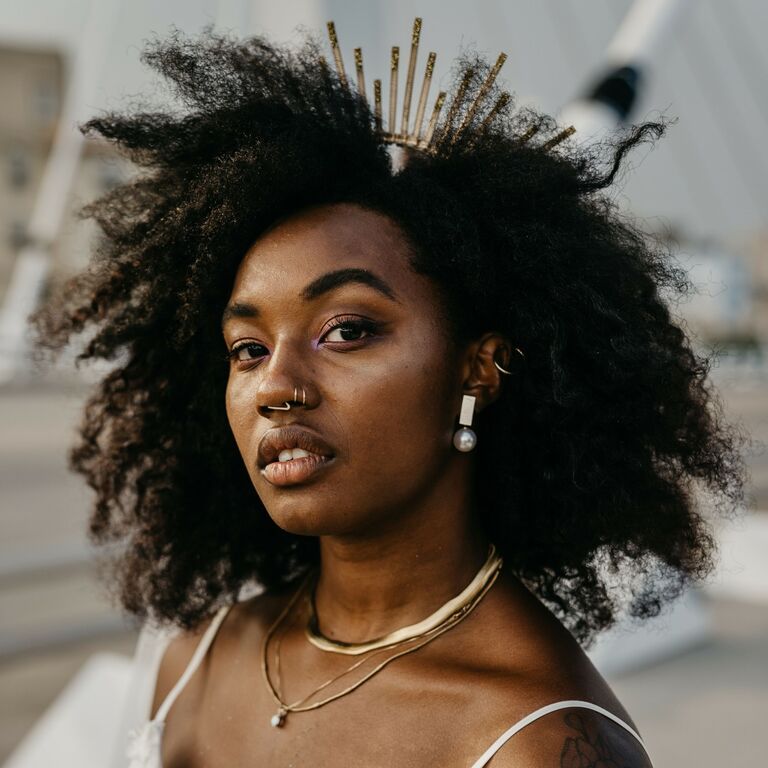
(414,636)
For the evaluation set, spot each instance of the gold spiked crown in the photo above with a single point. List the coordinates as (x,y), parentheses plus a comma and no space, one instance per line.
(416,136)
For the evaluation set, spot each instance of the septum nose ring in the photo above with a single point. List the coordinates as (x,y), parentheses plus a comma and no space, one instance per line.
(287,405)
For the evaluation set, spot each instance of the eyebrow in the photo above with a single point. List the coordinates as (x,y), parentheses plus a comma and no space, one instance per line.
(321,285)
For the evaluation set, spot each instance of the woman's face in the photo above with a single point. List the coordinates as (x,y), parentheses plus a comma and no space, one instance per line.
(327,303)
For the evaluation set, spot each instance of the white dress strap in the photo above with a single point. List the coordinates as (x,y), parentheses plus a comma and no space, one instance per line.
(508,734)
(194,663)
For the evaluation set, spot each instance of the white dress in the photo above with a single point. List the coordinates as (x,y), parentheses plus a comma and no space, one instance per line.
(144,736)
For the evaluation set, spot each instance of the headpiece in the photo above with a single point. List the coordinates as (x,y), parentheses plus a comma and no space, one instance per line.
(417,136)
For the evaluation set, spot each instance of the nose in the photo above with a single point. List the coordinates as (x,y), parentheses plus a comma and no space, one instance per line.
(284,384)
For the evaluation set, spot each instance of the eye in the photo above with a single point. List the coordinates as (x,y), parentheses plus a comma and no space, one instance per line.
(250,350)
(350,329)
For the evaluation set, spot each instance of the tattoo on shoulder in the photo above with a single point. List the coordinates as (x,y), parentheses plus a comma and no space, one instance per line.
(593,748)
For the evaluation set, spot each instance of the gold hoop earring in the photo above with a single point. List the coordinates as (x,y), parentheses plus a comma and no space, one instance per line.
(504,370)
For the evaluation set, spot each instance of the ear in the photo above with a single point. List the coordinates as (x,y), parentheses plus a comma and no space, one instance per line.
(481,377)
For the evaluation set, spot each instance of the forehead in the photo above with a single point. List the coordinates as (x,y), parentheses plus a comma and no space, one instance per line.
(329,237)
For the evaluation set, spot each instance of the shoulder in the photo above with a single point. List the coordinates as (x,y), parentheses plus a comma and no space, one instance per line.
(175,659)
(572,737)
(549,666)
(242,618)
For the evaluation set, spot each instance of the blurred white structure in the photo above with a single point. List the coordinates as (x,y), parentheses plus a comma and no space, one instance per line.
(33,261)
(82,726)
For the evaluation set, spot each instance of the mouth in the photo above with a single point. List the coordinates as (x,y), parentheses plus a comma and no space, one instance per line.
(292,454)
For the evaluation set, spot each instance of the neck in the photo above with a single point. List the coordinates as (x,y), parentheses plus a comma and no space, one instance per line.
(371,587)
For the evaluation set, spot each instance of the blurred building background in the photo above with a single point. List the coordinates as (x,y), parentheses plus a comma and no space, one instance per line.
(703,189)
(32,83)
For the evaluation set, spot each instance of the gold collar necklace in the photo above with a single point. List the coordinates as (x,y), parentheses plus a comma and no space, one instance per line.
(454,608)
(413,643)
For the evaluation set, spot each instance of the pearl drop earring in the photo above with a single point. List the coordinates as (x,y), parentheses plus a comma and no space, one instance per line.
(465,439)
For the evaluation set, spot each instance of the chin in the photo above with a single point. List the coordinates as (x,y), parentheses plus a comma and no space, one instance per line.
(307,519)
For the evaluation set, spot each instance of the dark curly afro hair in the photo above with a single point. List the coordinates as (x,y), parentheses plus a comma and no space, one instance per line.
(591,462)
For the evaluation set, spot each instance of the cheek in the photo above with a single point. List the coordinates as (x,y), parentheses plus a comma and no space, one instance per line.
(402,419)
(241,412)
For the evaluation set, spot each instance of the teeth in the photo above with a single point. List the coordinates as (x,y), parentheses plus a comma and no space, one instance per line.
(292,453)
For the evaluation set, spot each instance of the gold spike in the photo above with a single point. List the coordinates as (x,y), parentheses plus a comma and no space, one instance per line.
(560,137)
(433,120)
(416,31)
(423,97)
(458,98)
(532,131)
(337,53)
(377,102)
(414,138)
(500,102)
(481,94)
(409,80)
(359,69)
(391,124)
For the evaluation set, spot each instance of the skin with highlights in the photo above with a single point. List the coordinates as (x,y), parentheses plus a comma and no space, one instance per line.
(383,393)
(327,300)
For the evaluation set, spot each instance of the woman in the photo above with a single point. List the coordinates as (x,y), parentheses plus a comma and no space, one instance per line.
(440,413)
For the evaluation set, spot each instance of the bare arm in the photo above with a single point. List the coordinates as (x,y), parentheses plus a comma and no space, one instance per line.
(572,738)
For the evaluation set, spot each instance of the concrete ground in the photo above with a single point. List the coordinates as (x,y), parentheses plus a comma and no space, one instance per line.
(703,707)
(706,707)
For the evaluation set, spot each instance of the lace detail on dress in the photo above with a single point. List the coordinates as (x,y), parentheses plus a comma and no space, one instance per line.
(144,745)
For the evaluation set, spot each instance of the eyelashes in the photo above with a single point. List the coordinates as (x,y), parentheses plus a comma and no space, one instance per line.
(353,324)
(345,325)
(234,353)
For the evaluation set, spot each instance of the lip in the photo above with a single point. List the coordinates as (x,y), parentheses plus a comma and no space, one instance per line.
(295,470)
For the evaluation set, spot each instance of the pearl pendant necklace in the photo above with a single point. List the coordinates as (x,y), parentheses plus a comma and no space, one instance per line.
(278,718)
